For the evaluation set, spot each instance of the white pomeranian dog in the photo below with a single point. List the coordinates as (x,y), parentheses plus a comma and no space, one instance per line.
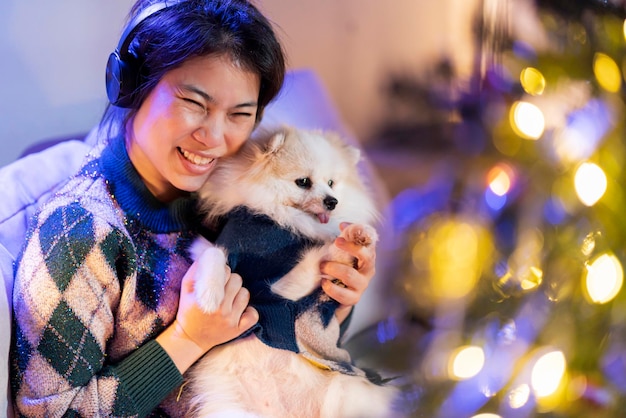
(280,202)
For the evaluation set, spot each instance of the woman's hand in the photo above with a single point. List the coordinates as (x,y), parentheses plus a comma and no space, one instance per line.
(352,280)
(195,332)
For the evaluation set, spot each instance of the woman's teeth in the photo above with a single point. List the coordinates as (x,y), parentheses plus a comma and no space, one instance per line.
(194,158)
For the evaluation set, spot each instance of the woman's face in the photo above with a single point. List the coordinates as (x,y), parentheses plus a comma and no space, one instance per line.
(201,111)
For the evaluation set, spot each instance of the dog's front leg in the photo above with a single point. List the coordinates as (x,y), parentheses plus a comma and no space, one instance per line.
(304,278)
(210,276)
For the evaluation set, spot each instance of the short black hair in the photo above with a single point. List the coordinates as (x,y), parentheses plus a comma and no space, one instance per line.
(196,28)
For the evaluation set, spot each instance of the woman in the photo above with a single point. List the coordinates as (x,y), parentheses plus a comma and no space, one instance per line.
(105,318)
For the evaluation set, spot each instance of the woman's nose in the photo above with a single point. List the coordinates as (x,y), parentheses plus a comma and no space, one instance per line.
(212,131)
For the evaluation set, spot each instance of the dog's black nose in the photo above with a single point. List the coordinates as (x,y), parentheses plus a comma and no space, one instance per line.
(330,202)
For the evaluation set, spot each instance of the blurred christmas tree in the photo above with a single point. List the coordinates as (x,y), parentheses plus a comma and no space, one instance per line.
(511,273)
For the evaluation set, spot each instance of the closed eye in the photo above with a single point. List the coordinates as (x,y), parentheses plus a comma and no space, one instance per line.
(304,183)
(242,114)
(194,102)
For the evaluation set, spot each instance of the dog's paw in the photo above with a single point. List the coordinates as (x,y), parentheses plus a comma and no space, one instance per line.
(363,235)
(198,246)
(210,278)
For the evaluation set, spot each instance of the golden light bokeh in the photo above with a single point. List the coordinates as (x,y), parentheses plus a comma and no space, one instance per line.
(547,373)
(518,396)
(466,362)
(607,72)
(527,120)
(590,183)
(500,179)
(458,251)
(603,278)
(533,82)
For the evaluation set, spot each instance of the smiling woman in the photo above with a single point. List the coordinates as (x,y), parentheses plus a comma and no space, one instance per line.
(197,113)
(106,268)
(118,325)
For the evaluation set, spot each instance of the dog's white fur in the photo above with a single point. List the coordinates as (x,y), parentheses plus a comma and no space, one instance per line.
(246,377)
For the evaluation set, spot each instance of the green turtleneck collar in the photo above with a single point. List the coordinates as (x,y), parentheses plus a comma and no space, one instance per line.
(136,200)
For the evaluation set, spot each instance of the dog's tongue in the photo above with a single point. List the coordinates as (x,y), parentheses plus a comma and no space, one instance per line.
(323,217)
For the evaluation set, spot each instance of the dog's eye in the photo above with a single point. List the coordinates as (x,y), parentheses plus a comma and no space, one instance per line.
(331,183)
(304,183)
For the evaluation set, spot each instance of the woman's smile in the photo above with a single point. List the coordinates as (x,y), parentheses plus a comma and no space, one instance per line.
(195,158)
(198,112)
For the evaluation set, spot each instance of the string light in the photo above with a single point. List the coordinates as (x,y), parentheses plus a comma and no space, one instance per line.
(532,81)
(547,373)
(527,120)
(590,183)
(603,278)
(466,362)
(607,72)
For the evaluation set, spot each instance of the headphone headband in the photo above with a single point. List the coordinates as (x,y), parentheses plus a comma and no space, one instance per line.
(122,72)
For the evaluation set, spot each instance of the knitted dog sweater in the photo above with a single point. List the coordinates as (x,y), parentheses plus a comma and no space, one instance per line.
(98,278)
(262,252)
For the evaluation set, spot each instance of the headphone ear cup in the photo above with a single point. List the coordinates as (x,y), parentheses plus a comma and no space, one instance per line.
(123,67)
(120,81)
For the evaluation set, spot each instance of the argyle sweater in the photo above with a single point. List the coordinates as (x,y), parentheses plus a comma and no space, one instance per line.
(99,278)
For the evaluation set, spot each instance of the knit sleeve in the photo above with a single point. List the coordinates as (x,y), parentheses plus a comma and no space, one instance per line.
(67,289)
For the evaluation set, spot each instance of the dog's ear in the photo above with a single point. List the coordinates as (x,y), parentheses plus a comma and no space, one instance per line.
(351,152)
(275,143)
(354,154)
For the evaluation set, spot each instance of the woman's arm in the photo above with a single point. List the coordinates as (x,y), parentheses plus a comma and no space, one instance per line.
(66,293)
(195,332)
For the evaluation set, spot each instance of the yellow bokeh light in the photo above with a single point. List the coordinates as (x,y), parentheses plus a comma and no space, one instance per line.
(607,72)
(532,279)
(518,397)
(487,415)
(589,243)
(527,120)
(603,278)
(500,179)
(590,183)
(456,258)
(466,362)
(624,29)
(450,256)
(533,82)
(548,373)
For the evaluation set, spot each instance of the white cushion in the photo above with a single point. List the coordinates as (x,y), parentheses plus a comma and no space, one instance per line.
(304,102)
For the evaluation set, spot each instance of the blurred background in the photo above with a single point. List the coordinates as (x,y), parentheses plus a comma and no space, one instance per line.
(54,55)
(497,128)
(506,280)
